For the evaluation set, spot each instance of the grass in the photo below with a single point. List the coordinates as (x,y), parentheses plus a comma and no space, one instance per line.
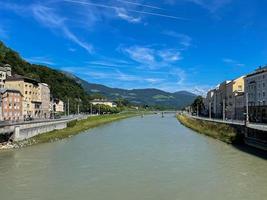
(74,128)
(218,131)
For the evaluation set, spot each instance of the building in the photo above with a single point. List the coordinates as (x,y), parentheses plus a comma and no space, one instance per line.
(57,106)
(240,106)
(234,91)
(209,103)
(5,72)
(30,90)
(45,99)
(103,102)
(10,105)
(220,96)
(256,89)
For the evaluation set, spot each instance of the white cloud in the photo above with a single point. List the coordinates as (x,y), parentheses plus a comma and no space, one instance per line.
(170,55)
(140,4)
(122,13)
(152,58)
(140,54)
(107,6)
(47,17)
(40,60)
(211,5)
(232,62)
(183,39)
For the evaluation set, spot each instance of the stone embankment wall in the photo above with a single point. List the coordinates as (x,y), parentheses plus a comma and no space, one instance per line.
(19,132)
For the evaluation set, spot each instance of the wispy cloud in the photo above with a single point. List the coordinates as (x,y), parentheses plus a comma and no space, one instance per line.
(48,17)
(211,5)
(184,40)
(140,4)
(122,13)
(128,9)
(233,62)
(152,58)
(40,60)
(110,63)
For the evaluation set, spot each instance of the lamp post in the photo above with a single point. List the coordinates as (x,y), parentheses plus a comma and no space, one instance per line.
(247,110)
(223,109)
(210,110)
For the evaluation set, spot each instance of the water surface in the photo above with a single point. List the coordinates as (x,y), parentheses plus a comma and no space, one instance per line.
(149,158)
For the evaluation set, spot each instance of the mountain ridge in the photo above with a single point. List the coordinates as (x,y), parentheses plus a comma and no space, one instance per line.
(144,96)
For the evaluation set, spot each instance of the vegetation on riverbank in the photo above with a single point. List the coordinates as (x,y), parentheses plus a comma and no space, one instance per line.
(218,131)
(75,127)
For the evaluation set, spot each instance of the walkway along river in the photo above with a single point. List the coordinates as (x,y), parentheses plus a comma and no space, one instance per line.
(150,158)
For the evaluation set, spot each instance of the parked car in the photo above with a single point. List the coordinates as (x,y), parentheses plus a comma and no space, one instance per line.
(29,119)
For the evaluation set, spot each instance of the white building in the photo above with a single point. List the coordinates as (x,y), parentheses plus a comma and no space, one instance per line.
(103,102)
(256,89)
(5,71)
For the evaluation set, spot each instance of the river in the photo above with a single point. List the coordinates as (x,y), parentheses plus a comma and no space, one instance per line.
(150,158)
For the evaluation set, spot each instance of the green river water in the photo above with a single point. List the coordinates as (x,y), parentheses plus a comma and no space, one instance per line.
(149,158)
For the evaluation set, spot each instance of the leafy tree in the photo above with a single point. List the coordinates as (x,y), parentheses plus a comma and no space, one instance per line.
(198,104)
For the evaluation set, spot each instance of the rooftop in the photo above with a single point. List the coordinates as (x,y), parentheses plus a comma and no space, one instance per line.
(259,70)
(4,90)
(17,77)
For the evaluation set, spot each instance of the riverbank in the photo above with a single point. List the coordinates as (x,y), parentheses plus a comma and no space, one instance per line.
(73,128)
(218,131)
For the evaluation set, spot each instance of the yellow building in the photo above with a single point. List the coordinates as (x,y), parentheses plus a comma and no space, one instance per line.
(234,107)
(30,90)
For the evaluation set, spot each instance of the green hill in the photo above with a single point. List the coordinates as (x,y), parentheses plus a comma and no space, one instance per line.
(61,86)
(151,97)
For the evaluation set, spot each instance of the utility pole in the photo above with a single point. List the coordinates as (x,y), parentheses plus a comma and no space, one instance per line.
(223,109)
(78,109)
(91,109)
(68,107)
(53,109)
(210,110)
(99,109)
(65,109)
(197,110)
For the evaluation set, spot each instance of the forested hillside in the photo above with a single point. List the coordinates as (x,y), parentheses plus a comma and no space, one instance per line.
(62,86)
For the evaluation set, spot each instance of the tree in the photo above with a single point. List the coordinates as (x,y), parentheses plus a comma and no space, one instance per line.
(198,105)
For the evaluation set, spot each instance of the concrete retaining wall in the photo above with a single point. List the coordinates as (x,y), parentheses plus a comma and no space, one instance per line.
(27,131)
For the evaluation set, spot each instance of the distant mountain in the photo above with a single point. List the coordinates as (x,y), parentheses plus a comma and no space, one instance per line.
(150,96)
(66,86)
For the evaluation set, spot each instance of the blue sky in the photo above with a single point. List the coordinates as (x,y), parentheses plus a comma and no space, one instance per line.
(167,44)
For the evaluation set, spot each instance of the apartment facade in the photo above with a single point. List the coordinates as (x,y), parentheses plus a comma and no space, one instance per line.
(30,90)
(45,99)
(10,105)
(57,106)
(220,99)
(209,103)
(256,89)
(234,95)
